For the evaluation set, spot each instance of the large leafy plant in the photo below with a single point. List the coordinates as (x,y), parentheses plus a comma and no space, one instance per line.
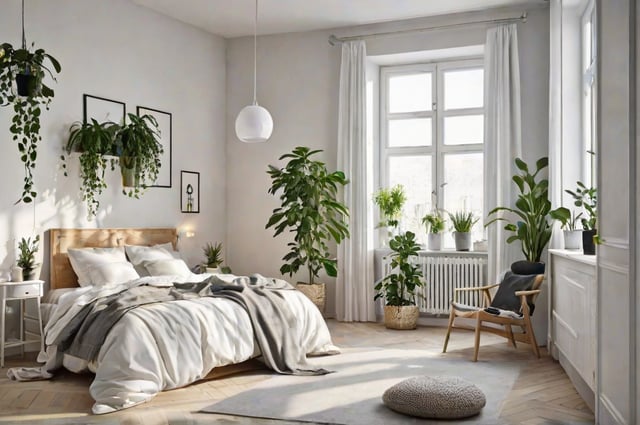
(310,210)
(27,69)
(532,209)
(93,140)
(139,150)
(398,287)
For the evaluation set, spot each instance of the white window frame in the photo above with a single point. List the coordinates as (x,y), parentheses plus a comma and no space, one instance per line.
(589,81)
(437,149)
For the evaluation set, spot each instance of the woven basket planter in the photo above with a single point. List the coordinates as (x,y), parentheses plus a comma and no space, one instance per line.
(401,317)
(317,293)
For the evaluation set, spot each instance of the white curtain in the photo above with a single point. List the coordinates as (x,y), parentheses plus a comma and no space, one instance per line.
(555,115)
(354,292)
(502,139)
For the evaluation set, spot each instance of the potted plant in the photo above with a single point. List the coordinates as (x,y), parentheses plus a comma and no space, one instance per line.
(399,286)
(27,249)
(139,150)
(435,225)
(22,74)
(310,211)
(213,254)
(94,141)
(463,222)
(532,209)
(568,220)
(390,202)
(586,197)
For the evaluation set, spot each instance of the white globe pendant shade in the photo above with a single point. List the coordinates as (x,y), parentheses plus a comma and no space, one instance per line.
(254,124)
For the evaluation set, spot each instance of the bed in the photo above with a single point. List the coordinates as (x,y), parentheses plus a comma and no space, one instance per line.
(162,345)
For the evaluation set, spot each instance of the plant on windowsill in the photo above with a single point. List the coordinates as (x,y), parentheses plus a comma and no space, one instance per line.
(213,254)
(94,141)
(27,249)
(463,222)
(568,220)
(532,209)
(139,150)
(434,223)
(398,288)
(587,198)
(390,201)
(22,74)
(310,211)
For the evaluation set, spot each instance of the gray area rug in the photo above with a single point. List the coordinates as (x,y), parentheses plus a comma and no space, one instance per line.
(353,394)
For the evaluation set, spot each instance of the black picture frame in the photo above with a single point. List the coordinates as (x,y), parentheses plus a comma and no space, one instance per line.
(189,192)
(165,126)
(102,109)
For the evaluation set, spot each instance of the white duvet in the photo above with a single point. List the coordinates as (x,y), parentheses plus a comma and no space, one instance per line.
(163,346)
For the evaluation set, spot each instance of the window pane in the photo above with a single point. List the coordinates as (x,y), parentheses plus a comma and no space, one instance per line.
(463,130)
(414,173)
(464,188)
(410,93)
(463,89)
(410,132)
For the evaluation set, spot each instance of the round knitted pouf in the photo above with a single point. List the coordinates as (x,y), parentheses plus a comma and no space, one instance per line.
(441,397)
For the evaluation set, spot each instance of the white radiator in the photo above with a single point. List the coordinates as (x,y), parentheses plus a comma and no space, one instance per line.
(444,272)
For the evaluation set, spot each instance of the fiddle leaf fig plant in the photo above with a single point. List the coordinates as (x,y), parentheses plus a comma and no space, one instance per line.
(22,74)
(532,210)
(93,140)
(310,210)
(398,287)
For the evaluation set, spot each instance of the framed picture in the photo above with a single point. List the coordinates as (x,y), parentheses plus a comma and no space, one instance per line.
(164,126)
(102,109)
(189,191)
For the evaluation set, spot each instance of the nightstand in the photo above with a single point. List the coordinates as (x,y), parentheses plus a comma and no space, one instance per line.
(22,291)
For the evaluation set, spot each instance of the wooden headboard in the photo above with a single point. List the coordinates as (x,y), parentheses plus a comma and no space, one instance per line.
(61,273)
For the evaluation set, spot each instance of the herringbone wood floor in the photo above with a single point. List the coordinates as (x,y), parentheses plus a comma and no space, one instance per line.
(542,393)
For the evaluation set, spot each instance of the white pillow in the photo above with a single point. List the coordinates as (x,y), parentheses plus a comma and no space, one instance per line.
(83,258)
(173,267)
(112,273)
(138,254)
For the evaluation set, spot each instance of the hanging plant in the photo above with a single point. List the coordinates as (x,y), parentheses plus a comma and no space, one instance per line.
(93,140)
(139,150)
(22,72)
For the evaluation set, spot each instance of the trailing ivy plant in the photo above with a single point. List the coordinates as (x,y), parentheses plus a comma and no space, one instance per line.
(310,210)
(398,287)
(28,68)
(93,140)
(139,150)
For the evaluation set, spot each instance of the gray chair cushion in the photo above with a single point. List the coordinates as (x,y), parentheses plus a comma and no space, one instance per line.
(440,397)
(506,299)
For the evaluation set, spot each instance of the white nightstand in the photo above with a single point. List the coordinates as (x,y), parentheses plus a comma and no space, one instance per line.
(29,289)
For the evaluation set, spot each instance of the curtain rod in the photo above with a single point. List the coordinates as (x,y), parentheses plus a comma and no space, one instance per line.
(333,40)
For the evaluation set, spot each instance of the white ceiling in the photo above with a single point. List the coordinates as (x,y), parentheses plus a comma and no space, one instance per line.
(234,18)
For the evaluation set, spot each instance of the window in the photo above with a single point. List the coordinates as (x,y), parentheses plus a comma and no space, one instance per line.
(432,134)
(588,69)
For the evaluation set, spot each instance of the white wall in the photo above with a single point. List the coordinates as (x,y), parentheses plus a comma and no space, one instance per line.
(121,51)
(298,78)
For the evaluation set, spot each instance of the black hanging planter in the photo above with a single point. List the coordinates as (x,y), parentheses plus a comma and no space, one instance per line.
(527,267)
(588,246)
(26,84)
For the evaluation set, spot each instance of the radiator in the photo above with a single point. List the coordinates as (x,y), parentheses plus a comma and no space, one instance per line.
(444,272)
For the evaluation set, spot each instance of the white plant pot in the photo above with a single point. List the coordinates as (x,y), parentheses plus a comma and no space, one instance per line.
(434,241)
(463,241)
(573,239)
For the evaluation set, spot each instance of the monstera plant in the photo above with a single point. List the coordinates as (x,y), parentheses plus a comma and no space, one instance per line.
(22,87)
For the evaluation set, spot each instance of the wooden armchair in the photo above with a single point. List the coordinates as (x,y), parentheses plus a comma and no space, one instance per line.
(504,317)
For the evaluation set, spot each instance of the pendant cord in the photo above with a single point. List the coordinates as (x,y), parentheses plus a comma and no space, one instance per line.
(255,56)
(24,39)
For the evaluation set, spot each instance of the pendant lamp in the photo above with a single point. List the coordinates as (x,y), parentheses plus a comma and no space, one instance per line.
(254,123)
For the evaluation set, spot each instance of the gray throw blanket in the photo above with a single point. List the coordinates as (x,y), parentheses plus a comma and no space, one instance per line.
(274,324)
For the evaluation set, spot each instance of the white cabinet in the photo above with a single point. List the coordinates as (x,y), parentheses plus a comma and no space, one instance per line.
(572,317)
